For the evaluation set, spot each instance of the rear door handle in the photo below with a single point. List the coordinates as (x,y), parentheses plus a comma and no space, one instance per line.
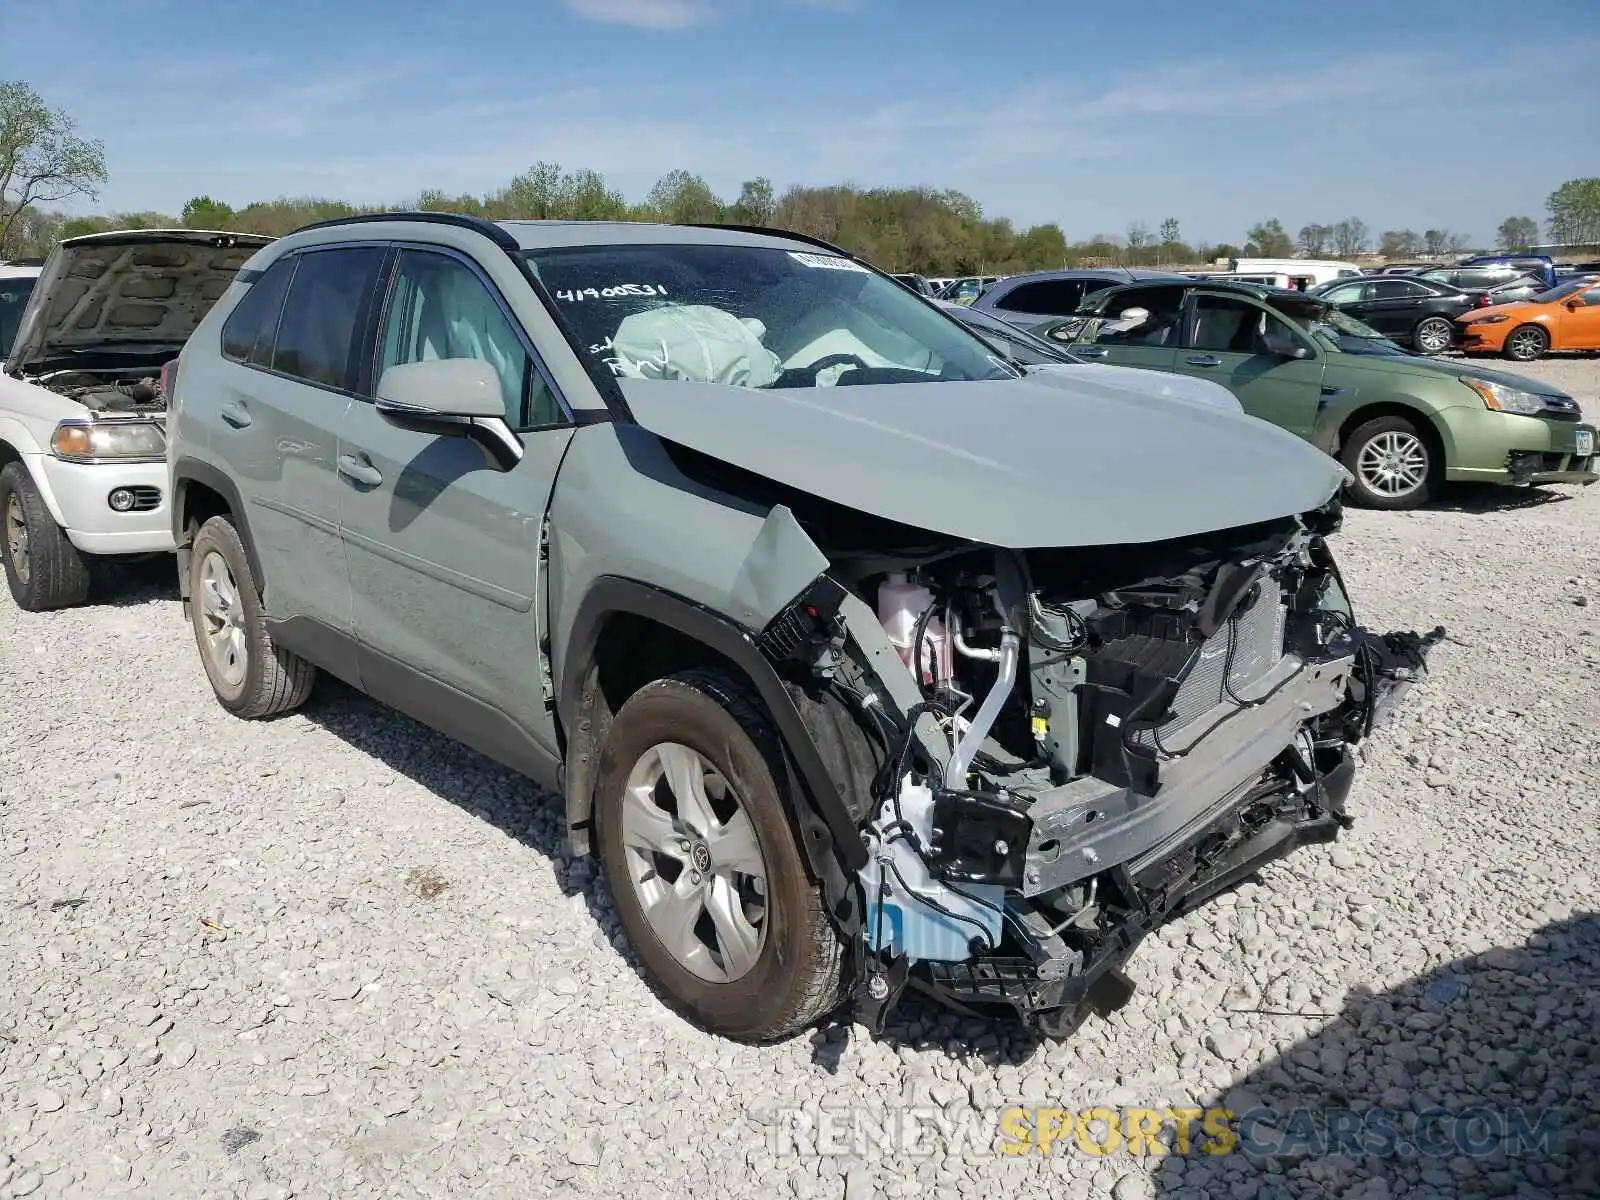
(359,468)
(1203,360)
(1089,351)
(235,413)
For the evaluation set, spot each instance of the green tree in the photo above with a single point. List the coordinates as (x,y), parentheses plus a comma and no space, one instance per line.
(1399,243)
(1517,233)
(756,203)
(1313,240)
(684,198)
(1139,242)
(1574,210)
(1169,231)
(1268,240)
(42,158)
(1350,237)
(205,213)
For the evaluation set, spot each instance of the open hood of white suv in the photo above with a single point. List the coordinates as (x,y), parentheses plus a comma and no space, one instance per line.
(127,289)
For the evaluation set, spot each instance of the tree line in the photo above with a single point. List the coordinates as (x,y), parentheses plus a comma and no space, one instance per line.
(940,232)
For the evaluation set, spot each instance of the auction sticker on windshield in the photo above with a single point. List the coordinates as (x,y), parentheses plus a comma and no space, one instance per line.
(827,262)
(617,292)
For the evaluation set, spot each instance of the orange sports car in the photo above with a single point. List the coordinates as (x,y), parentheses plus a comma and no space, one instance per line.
(1567,317)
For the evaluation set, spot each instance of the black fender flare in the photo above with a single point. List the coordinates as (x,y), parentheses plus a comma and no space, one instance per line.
(190,470)
(829,837)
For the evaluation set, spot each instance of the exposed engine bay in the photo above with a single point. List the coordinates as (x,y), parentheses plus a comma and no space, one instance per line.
(117,392)
(1080,744)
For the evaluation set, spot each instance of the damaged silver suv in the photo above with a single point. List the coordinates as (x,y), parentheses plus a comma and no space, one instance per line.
(864,657)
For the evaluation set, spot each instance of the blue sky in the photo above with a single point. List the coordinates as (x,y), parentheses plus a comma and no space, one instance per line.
(1090,115)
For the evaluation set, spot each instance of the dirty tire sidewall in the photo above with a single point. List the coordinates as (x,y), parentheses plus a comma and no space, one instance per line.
(1523,346)
(57,575)
(274,680)
(796,978)
(1363,495)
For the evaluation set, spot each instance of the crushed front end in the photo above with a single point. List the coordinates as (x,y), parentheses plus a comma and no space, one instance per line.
(1078,745)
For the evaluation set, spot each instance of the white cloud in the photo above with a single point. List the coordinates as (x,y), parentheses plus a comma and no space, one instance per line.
(643,14)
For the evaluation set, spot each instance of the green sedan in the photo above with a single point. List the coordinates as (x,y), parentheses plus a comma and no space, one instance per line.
(1401,424)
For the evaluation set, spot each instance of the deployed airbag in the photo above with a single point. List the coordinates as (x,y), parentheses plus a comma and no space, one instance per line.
(694,343)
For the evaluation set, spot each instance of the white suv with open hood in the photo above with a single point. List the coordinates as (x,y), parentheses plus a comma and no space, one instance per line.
(82,406)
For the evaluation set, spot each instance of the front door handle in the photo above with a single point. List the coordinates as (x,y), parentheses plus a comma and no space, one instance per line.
(359,468)
(1203,360)
(1089,351)
(235,414)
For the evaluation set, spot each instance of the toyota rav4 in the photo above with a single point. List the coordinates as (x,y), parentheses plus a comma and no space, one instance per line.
(863,657)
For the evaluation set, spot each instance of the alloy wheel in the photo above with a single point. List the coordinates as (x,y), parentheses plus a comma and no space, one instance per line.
(1393,464)
(17,537)
(222,619)
(694,862)
(1434,337)
(1526,344)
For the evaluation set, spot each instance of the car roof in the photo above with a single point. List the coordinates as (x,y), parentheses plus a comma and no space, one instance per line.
(551,234)
(1260,291)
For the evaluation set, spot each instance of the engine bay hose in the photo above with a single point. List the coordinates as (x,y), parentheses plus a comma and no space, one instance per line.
(955,775)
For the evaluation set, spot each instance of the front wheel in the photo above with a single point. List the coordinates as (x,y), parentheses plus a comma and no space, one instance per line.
(1526,343)
(43,569)
(1393,463)
(702,861)
(1433,335)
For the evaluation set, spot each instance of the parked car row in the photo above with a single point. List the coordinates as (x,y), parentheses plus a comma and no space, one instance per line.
(842,705)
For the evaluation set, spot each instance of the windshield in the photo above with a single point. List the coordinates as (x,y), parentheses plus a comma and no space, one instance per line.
(754,317)
(1341,331)
(1560,291)
(13,299)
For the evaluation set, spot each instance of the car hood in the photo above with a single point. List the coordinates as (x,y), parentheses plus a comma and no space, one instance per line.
(1051,459)
(1144,380)
(1461,368)
(147,287)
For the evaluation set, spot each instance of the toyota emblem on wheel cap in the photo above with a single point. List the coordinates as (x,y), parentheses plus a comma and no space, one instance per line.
(700,856)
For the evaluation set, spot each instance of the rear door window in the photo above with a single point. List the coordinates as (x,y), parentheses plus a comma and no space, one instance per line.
(1142,317)
(248,332)
(326,304)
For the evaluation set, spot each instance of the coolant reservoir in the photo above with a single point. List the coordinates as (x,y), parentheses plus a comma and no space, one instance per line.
(900,604)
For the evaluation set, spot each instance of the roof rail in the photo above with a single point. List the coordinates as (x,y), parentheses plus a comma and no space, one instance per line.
(768,231)
(460,220)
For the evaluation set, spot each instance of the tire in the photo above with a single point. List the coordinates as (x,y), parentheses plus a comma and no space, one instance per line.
(43,569)
(1433,335)
(705,725)
(1526,343)
(251,677)
(1395,464)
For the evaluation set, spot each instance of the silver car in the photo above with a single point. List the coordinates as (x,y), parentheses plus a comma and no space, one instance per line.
(861,658)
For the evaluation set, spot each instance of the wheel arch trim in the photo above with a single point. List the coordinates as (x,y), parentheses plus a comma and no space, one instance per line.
(187,470)
(827,831)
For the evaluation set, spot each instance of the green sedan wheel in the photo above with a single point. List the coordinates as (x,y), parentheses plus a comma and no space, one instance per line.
(1393,463)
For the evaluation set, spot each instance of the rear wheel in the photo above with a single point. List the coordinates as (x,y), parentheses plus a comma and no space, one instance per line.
(1433,335)
(251,676)
(43,569)
(1526,343)
(1393,463)
(702,861)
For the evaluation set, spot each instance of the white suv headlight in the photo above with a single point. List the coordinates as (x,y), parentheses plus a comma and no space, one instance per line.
(93,441)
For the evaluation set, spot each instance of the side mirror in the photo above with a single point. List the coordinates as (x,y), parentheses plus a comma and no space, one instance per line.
(1574,304)
(450,397)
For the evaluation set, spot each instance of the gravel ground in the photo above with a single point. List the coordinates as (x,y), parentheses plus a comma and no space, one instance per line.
(335,955)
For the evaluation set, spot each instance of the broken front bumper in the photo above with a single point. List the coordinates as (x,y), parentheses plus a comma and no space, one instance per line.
(1208,824)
